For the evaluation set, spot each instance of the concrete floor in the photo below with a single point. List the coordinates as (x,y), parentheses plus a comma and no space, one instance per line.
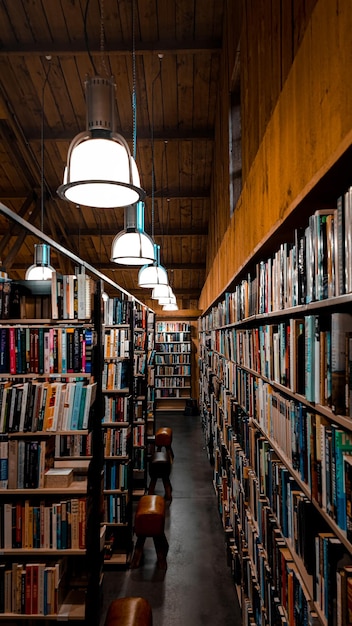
(197,588)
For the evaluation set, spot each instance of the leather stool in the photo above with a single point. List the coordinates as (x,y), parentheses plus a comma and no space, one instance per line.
(160,467)
(163,438)
(129,612)
(150,522)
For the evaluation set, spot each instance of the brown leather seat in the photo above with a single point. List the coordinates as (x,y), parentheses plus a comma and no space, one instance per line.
(150,522)
(163,438)
(130,611)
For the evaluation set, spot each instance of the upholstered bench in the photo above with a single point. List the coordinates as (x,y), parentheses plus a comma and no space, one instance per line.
(150,522)
(132,611)
(160,467)
(163,438)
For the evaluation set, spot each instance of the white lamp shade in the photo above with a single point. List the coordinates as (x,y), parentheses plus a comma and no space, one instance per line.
(170,307)
(41,268)
(160,291)
(170,298)
(150,276)
(99,175)
(39,272)
(132,248)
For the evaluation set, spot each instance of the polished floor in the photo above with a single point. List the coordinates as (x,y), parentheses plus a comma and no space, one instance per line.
(197,588)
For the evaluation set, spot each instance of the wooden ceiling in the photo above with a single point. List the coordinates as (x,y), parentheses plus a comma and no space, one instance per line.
(47,48)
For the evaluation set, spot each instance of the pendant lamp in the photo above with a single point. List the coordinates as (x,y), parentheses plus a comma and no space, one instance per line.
(132,246)
(100,170)
(41,268)
(160,291)
(170,307)
(169,299)
(151,276)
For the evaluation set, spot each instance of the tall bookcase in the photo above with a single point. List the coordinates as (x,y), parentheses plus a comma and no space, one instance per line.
(117,427)
(47,496)
(173,352)
(275,396)
(70,555)
(139,400)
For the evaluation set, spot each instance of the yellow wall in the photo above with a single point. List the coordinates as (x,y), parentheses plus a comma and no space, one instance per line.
(309,128)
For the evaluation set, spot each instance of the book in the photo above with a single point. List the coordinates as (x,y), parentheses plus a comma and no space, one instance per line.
(58,477)
(341,325)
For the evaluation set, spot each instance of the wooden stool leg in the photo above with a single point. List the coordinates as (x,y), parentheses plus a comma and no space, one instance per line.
(138,552)
(152,486)
(168,489)
(161,548)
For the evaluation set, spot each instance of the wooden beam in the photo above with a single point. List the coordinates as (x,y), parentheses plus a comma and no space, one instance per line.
(108,232)
(186,267)
(169,134)
(80,48)
(8,261)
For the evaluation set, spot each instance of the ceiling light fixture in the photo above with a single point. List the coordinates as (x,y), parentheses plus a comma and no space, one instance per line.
(100,170)
(170,307)
(169,299)
(160,291)
(132,246)
(41,269)
(151,276)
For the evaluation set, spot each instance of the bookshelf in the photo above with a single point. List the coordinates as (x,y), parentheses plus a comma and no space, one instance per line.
(75,573)
(275,365)
(139,400)
(173,351)
(48,394)
(150,375)
(117,430)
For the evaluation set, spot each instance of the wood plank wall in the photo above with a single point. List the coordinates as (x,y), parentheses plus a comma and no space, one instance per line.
(296,105)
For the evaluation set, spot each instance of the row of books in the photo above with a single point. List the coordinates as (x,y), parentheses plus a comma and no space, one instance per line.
(139,363)
(55,526)
(311,356)
(287,517)
(173,327)
(33,405)
(163,337)
(116,343)
(140,339)
(176,370)
(115,508)
(166,359)
(30,588)
(141,316)
(139,458)
(317,449)
(115,376)
(116,476)
(44,350)
(116,441)
(24,463)
(116,409)
(71,296)
(178,348)
(138,435)
(117,311)
(314,266)
(171,381)
(73,445)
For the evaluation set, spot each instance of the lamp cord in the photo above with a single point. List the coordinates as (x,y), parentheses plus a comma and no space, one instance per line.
(102,38)
(42,152)
(86,38)
(134,99)
(152,142)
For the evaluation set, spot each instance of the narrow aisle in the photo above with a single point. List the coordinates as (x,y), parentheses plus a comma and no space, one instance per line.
(196,589)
